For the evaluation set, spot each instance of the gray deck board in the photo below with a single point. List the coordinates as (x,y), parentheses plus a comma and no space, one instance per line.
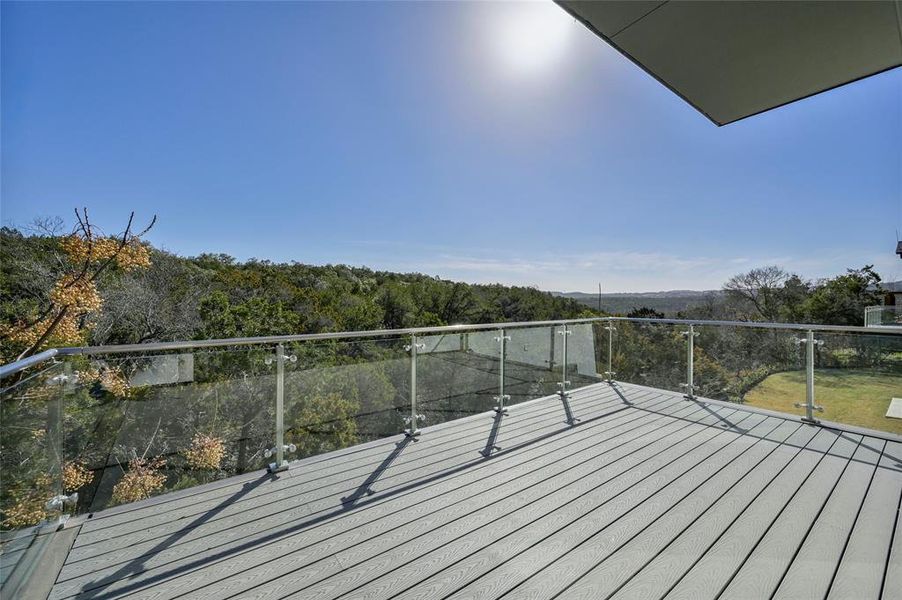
(762,571)
(556,559)
(382,554)
(516,465)
(585,442)
(654,577)
(558,530)
(821,550)
(601,567)
(892,584)
(713,573)
(647,496)
(859,574)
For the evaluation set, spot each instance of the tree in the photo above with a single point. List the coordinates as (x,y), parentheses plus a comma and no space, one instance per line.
(644,313)
(765,293)
(397,307)
(158,303)
(255,317)
(842,300)
(63,310)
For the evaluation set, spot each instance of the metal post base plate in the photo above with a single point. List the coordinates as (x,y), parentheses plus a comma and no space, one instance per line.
(412,434)
(500,411)
(810,421)
(274,468)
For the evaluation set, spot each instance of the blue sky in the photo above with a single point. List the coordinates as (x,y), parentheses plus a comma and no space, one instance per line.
(475,141)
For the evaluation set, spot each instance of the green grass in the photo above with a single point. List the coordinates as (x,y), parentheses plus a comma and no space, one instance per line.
(848,396)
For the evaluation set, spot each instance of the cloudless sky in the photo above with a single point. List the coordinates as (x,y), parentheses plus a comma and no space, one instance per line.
(475,141)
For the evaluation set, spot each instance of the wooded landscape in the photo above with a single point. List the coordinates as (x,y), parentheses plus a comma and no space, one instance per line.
(115,430)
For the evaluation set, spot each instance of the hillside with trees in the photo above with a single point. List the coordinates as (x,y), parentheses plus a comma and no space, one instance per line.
(167,297)
(121,290)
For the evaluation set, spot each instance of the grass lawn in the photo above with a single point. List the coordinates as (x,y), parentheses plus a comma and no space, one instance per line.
(848,396)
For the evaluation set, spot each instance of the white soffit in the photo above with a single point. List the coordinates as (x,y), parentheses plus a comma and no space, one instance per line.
(731,60)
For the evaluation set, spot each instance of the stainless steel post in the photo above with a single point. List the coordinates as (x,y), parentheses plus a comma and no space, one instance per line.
(809,405)
(690,362)
(413,430)
(565,333)
(502,340)
(280,464)
(55,446)
(610,372)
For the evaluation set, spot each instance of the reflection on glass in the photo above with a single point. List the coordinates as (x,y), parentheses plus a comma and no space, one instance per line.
(458,374)
(532,363)
(31,458)
(652,354)
(742,364)
(341,393)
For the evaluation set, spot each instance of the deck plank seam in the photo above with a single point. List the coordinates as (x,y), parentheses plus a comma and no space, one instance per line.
(817,517)
(624,543)
(741,512)
(783,509)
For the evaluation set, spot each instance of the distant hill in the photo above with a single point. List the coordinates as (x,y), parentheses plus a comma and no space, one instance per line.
(667,302)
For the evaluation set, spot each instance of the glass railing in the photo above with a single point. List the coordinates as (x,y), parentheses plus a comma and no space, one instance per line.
(648,353)
(34,471)
(856,376)
(843,375)
(95,428)
(91,428)
(883,316)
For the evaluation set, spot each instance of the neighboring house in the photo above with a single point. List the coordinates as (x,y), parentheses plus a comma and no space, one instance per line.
(889,314)
(892,292)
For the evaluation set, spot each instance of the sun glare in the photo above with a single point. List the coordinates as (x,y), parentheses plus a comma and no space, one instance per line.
(531,38)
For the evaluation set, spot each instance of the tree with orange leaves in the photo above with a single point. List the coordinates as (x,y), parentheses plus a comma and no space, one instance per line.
(64,315)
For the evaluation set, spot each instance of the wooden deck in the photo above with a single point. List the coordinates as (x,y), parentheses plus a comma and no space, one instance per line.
(647,495)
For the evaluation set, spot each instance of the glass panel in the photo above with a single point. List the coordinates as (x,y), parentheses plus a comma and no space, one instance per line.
(341,393)
(532,366)
(31,469)
(760,367)
(585,354)
(856,376)
(883,316)
(141,425)
(651,354)
(458,374)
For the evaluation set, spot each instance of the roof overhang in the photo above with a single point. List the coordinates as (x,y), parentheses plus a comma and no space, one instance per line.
(731,60)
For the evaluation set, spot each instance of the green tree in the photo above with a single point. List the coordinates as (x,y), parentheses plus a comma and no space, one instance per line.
(842,300)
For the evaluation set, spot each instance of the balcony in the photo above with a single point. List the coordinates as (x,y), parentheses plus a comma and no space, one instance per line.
(597,458)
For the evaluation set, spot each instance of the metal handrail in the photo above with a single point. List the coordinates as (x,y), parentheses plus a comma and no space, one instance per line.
(759,325)
(15,367)
(21,365)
